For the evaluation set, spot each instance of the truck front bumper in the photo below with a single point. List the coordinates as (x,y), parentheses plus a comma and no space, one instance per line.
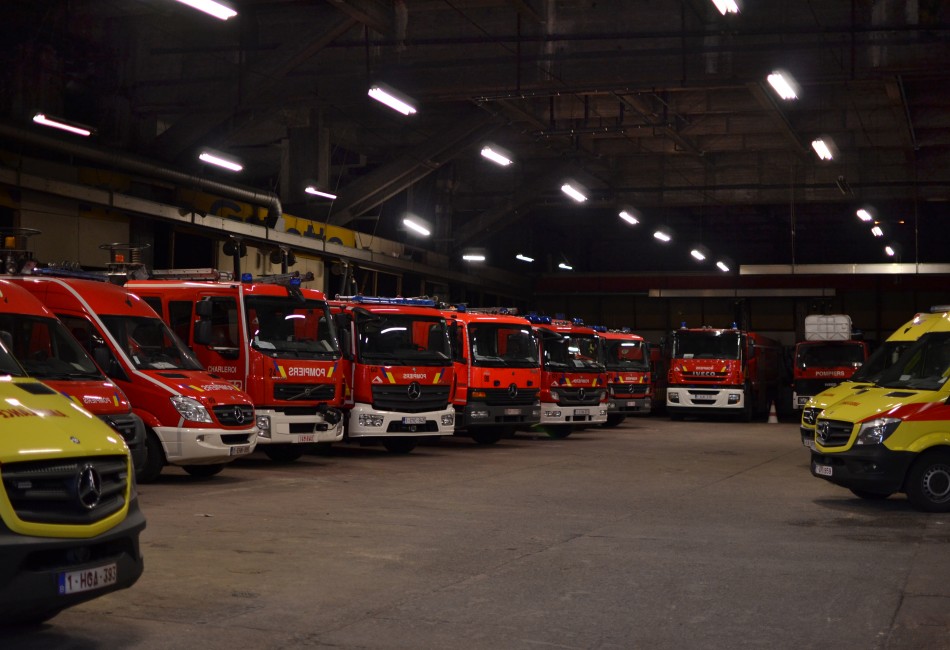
(366,422)
(875,468)
(284,429)
(553,413)
(196,446)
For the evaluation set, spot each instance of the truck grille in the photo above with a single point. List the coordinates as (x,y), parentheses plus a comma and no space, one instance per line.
(78,491)
(234,415)
(501,397)
(706,376)
(578,396)
(833,433)
(396,398)
(630,390)
(308,392)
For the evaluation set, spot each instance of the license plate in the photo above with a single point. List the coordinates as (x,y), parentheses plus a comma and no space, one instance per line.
(73,582)
(703,398)
(581,411)
(808,442)
(512,411)
(240,450)
(802,400)
(307,437)
(632,404)
(823,470)
(414,420)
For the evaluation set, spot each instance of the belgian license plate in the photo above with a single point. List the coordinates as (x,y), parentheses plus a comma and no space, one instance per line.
(581,411)
(633,404)
(512,411)
(307,437)
(802,400)
(240,450)
(414,420)
(73,582)
(823,470)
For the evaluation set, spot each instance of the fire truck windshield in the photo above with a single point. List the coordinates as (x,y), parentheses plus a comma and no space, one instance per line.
(923,366)
(45,348)
(825,355)
(286,327)
(626,355)
(706,345)
(403,339)
(503,345)
(150,344)
(572,353)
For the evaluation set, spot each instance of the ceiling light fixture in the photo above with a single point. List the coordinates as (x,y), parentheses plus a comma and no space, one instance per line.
(698,255)
(628,215)
(473,257)
(524,258)
(220,160)
(310,189)
(823,148)
(565,266)
(573,192)
(417,226)
(864,215)
(664,237)
(722,266)
(393,99)
(890,251)
(496,156)
(726,6)
(63,125)
(877,232)
(784,84)
(216,9)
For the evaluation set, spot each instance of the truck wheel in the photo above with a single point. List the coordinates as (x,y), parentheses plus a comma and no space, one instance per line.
(871,496)
(488,437)
(558,431)
(928,482)
(282,453)
(154,459)
(613,420)
(203,471)
(400,445)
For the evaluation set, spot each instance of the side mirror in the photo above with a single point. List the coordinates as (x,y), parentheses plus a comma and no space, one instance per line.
(203,308)
(202,334)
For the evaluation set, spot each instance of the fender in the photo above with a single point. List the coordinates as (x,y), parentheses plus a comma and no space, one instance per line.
(923,443)
(150,420)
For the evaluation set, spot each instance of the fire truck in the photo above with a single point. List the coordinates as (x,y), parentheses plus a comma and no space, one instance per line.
(399,371)
(826,357)
(573,377)
(70,520)
(629,378)
(721,371)
(48,352)
(267,336)
(497,373)
(193,419)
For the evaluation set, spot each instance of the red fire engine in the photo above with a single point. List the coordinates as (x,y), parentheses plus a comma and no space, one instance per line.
(629,378)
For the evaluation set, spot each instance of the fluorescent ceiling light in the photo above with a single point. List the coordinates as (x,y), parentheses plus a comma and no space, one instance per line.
(416,226)
(215,158)
(722,266)
(877,232)
(211,7)
(390,98)
(524,258)
(662,236)
(698,254)
(890,251)
(473,257)
(784,85)
(495,156)
(310,189)
(822,149)
(565,266)
(57,123)
(627,215)
(864,215)
(573,192)
(726,6)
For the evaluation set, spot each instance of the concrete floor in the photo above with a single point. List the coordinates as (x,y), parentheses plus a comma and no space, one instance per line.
(652,535)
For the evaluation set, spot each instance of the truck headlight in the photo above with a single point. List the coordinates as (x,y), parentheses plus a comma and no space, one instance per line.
(448,420)
(874,432)
(191,409)
(370,420)
(554,396)
(263,426)
(673,398)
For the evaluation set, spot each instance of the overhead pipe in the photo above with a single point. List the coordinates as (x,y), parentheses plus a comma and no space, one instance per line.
(127,162)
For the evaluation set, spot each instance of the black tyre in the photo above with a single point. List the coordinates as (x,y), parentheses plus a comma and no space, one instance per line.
(400,445)
(487,436)
(203,471)
(869,495)
(928,482)
(154,459)
(558,431)
(613,420)
(282,453)
(676,416)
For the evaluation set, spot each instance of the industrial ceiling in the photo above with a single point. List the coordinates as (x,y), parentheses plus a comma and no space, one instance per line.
(659,106)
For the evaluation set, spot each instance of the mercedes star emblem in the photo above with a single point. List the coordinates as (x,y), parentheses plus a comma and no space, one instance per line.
(415,390)
(89,487)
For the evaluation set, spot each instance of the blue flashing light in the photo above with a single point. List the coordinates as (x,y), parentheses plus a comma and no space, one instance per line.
(247,278)
(70,273)
(460,308)
(295,282)
(625,330)
(683,325)
(599,328)
(577,321)
(734,325)
(536,319)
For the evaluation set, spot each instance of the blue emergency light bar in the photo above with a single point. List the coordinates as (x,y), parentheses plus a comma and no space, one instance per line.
(535,319)
(599,328)
(378,300)
(69,273)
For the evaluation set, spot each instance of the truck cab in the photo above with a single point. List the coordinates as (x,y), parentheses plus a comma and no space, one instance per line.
(399,370)
(50,353)
(827,356)
(69,513)
(497,373)
(193,419)
(269,337)
(629,377)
